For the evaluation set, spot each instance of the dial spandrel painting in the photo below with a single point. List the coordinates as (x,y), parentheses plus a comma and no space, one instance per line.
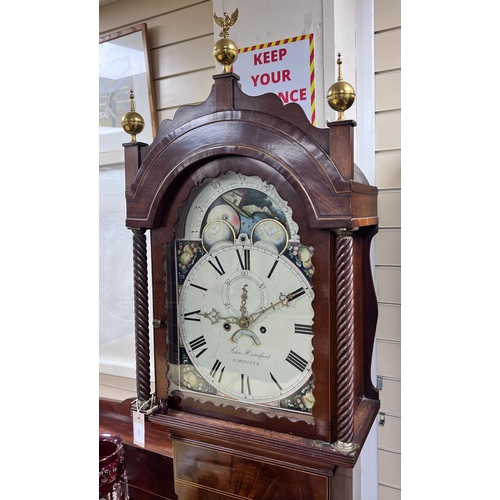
(244,294)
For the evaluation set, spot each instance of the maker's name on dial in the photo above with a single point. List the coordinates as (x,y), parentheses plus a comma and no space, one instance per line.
(249,354)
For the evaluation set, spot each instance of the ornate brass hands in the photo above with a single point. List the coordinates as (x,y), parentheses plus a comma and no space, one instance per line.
(245,320)
(242,321)
(283,301)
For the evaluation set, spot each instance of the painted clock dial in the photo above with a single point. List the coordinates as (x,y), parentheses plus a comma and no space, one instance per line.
(245,319)
(244,300)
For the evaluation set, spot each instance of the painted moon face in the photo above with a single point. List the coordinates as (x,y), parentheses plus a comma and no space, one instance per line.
(216,232)
(227,214)
(270,231)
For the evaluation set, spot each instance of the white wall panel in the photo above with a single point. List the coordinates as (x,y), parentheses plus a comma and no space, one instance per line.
(388,251)
(184,89)
(388,169)
(387,50)
(387,39)
(388,284)
(387,14)
(185,24)
(116,388)
(166,114)
(389,435)
(388,90)
(389,322)
(128,12)
(390,468)
(116,393)
(390,395)
(386,493)
(388,130)
(389,208)
(172,60)
(388,359)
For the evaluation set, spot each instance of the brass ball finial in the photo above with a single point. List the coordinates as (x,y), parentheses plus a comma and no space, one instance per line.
(132,122)
(340,95)
(225,50)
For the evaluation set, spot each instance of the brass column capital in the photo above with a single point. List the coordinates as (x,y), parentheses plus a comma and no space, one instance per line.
(345,232)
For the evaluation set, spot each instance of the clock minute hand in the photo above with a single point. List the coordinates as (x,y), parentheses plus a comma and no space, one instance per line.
(244,321)
(283,301)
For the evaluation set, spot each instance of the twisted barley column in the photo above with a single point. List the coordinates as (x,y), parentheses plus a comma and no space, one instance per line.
(345,339)
(143,377)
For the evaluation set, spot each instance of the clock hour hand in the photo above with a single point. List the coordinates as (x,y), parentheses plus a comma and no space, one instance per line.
(245,320)
(244,297)
(215,317)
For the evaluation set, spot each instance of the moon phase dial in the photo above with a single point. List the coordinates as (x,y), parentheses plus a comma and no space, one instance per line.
(216,233)
(241,201)
(270,231)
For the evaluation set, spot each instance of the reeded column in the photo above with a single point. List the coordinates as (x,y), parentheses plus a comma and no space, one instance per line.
(141,307)
(345,342)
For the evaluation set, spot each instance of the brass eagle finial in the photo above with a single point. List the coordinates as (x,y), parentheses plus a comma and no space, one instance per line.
(226,22)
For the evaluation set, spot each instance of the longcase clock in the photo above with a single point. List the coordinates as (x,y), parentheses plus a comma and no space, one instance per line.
(264,309)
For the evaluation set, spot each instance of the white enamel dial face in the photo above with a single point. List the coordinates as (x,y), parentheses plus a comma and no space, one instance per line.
(245,320)
(241,201)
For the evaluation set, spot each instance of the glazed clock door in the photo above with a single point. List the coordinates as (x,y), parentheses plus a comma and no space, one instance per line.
(244,292)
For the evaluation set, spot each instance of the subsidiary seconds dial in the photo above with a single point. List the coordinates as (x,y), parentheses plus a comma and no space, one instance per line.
(245,320)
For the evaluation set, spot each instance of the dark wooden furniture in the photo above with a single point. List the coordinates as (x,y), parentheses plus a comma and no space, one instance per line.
(149,469)
(222,451)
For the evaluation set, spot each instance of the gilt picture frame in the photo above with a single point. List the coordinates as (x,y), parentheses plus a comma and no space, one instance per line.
(124,65)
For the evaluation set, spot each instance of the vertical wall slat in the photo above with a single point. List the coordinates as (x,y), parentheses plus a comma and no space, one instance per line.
(387,26)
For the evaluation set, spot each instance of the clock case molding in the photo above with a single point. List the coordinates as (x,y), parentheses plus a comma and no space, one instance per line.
(313,170)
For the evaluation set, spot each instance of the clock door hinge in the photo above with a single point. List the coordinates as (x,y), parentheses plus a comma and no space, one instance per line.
(381,419)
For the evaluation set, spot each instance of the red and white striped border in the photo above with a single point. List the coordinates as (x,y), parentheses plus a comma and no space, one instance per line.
(311,63)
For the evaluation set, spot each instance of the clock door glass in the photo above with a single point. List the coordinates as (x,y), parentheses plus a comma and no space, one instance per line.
(244,301)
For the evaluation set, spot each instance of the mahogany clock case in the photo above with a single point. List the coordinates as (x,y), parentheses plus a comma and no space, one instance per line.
(313,171)
(244,300)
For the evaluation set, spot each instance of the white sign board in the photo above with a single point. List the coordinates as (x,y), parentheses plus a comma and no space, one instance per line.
(285,67)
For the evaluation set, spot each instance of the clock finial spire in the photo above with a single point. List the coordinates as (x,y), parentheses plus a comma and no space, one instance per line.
(225,50)
(132,122)
(341,94)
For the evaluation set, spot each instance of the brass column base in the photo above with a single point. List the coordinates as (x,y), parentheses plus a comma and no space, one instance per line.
(345,448)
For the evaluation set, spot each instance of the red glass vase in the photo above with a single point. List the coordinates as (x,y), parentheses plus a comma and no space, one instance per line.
(111,463)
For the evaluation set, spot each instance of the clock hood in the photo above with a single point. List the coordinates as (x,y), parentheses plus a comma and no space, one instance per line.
(332,189)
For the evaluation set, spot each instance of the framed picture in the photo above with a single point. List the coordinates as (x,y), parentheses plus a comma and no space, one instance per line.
(124,66)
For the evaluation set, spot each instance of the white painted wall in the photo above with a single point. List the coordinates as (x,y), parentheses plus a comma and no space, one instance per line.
(387,70)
